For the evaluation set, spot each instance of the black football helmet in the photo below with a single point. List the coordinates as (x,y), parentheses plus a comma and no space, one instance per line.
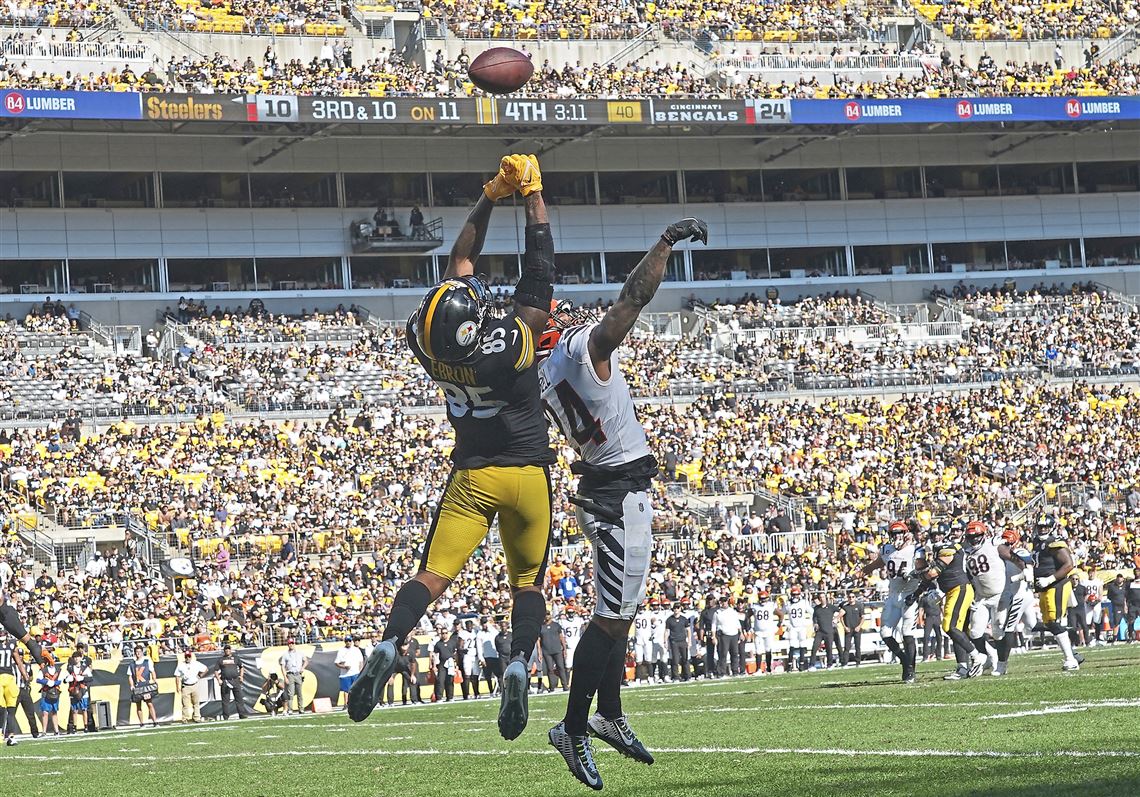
(1044,529)
(452,317)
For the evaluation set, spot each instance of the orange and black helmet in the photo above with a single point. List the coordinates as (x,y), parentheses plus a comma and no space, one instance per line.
(976,531)
(898,527)
(452,317)
(563,315)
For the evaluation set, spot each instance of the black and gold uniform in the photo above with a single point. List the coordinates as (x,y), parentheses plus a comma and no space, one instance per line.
(501,455)
(9,689)
(950,562)
(1054,598)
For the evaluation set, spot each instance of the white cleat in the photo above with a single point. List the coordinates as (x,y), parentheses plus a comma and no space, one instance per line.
(999,668)
(1070,666)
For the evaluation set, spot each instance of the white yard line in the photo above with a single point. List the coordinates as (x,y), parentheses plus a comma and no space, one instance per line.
(796,751)
(1066,708)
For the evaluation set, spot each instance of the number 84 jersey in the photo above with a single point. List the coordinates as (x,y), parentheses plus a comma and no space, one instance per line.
(596,415)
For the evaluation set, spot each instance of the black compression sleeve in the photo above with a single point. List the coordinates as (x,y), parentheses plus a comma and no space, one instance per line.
(11,621)
(535,287)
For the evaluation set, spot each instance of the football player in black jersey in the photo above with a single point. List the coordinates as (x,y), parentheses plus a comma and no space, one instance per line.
(945,563)
(1052,564)
(11,666)
(10,622)
(485,368)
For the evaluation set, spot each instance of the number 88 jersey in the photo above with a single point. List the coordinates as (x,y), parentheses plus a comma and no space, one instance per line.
(596,415)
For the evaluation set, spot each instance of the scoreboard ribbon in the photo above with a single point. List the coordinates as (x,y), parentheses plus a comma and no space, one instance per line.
(283,109)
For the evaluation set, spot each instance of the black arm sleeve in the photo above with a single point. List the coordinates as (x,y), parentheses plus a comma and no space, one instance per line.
(11,621)
(535,287)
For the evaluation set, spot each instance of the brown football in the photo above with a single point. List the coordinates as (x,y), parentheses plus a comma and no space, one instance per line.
(500,70)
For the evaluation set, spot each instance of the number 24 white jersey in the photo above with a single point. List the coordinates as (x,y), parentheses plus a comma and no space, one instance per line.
(595,415)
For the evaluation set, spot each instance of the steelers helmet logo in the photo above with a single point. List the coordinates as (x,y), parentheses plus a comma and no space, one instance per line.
(466,333)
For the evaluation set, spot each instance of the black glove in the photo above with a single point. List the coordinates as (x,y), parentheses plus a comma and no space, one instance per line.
(693,229)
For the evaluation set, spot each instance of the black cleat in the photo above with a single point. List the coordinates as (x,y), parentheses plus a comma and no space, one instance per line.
(578,753)
(618,735)
(513,712)
(365,693)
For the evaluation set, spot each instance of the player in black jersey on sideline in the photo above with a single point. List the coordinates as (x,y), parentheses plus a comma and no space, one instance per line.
(11,665)
(485,367)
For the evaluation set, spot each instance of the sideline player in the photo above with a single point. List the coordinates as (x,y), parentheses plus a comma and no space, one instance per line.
(11,664)
(945,563)
(586,395)
(765,623)
(899,623)
(798,612)
(502,454)
(1052,564)
(990,565)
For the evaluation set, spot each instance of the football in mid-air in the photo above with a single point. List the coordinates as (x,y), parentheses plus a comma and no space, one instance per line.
(500,70)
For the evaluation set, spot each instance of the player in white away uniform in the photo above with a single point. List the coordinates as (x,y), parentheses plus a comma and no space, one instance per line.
(765,622)
(643,646)
(798,614)
(572,625)
(1015,599)
(990,566)
(898,625)
(587,397)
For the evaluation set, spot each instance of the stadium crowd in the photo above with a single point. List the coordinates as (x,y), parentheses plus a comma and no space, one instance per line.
(1030,19)
(823,20)
(388,73)
(259,17)
(304,527)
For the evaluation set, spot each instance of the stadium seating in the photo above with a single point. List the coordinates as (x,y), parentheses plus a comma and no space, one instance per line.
(74,14)
(388,74)
(1038,19)
(342,497)
(300,17)
(237,495)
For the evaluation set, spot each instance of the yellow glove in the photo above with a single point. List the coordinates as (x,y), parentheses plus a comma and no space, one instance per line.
(500,186)
(524,173)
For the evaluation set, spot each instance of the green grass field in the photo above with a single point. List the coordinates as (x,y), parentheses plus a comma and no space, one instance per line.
(1034,733)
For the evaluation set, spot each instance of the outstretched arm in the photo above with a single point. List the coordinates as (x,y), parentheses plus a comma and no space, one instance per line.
(465,251)
(467,247)
(640,287)
(539,263)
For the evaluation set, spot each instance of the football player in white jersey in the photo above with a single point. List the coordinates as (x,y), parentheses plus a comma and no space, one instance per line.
(1015,598)
(587,397)
(572,625)
(643,647)
(899,623)
(798,613)
(990,565)
(765,622)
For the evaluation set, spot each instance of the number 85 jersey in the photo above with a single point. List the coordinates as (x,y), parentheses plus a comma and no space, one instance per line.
(596,415)
(492,398)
